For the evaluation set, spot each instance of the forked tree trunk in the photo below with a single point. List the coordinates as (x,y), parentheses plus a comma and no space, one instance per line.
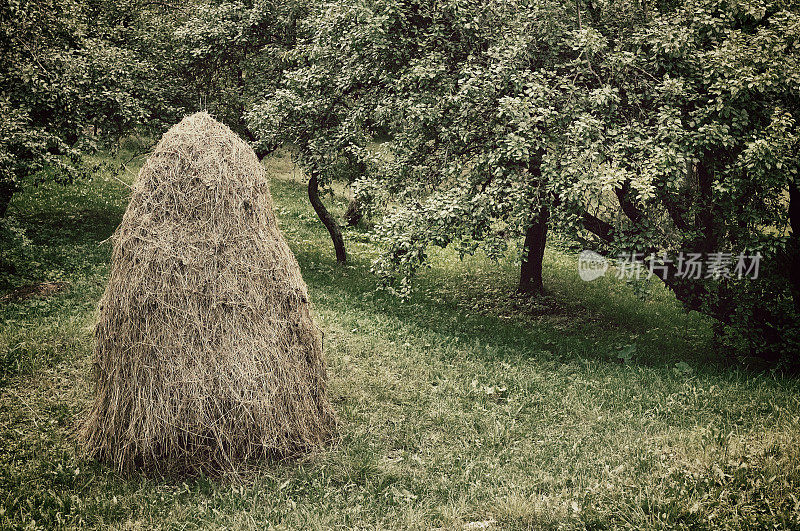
(530,277)
(327,220)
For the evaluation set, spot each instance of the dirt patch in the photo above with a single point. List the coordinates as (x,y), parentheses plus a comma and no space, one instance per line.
(40,290)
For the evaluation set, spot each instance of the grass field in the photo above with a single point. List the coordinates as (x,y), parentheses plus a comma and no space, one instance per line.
(464,408)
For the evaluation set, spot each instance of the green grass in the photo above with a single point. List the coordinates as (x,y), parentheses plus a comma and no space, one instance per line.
(462,407)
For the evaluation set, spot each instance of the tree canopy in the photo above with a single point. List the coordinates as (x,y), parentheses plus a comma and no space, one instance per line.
(647,130)
(650,131)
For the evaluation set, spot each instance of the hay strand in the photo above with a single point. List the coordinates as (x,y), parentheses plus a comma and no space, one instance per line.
(206,353)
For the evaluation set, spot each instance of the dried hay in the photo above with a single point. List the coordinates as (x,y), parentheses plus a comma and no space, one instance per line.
(206,354)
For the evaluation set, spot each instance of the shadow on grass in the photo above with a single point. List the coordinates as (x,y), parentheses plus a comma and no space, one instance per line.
(59,229)
(454,303)
(556,337)
(64,246)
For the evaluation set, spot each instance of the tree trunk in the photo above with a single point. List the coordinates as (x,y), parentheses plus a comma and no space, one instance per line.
(6,193)
(530,277)
(354,213)
(794,243)
(327,219)
(705,217)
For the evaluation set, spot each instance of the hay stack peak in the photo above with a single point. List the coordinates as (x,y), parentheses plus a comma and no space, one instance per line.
(206,353)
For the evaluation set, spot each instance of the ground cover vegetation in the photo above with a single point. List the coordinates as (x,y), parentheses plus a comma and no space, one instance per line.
(458,154)
(458,407)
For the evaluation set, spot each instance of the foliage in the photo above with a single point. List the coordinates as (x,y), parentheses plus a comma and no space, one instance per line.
(14,247)
(232,53)
(687,141)
(72,79)
(646,130)
(329,91)
(473,117)
(418,74)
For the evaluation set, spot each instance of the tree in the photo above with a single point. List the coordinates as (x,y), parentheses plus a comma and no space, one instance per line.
(232,53)
(465,157)
(688,144)
(485,115)
(328,108)
(67,85)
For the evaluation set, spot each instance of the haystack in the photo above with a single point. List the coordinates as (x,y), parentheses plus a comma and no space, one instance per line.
(206,354)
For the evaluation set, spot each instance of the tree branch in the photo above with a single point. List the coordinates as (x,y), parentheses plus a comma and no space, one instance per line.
(598,227)
(628,206)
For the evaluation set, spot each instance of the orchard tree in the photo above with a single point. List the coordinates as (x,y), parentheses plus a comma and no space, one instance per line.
(76,76)
(466,158)
(71,77)
(232,53)
(482,118)
(342,65)
(689,145)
